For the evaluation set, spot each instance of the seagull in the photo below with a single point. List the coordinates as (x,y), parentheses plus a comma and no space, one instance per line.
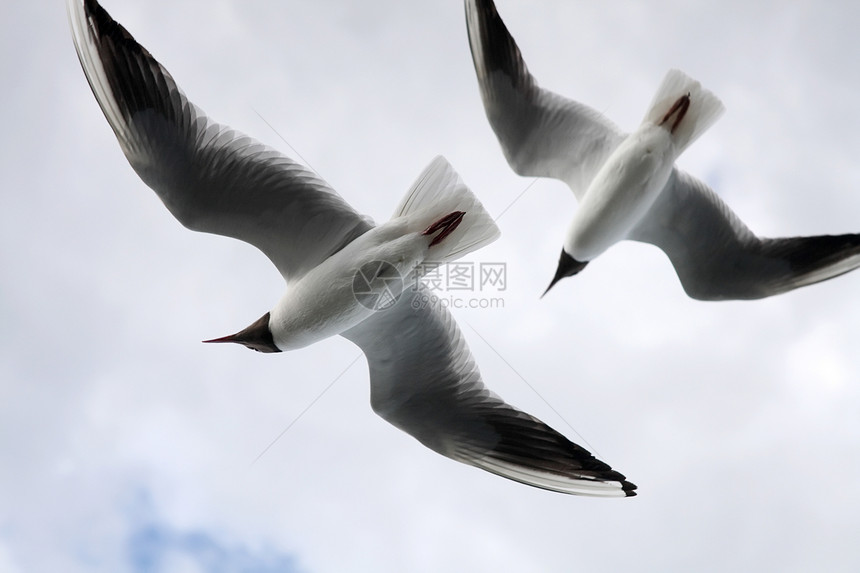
(627,185)
(423,378)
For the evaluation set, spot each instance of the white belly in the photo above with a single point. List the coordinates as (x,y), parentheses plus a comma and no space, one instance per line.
(621,192)
(331,298)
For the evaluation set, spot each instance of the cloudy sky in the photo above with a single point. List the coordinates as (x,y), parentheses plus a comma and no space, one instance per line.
(128,446)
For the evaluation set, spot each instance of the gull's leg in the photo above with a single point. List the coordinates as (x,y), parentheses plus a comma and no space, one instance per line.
(680,107)
(446,224)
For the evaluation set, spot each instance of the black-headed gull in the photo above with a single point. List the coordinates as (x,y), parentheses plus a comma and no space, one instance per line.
(423,378)
(627,185)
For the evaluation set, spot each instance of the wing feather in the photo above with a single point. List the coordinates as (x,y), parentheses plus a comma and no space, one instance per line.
(717,257)
(212,178)
(542,134)
(424,381)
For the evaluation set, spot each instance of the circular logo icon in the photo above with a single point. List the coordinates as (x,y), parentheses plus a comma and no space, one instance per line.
(377,285)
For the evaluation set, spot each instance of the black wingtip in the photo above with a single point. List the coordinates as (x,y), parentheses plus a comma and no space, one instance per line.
(567,267)
(135,79)
(629,488)
(493,47)
(610,475)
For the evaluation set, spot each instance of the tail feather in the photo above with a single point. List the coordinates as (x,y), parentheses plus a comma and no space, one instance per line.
(438,192)
(705,108)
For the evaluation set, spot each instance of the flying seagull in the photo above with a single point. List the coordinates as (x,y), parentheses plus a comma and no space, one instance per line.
(423,378)
(627,185)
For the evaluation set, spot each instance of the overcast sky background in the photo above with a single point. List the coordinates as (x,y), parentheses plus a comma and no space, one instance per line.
(126,445)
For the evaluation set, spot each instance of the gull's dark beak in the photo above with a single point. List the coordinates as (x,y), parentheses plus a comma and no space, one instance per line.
(257,337)
(567,267)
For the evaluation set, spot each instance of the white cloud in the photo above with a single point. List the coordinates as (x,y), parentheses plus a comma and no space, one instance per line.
(156,546)
(737,420)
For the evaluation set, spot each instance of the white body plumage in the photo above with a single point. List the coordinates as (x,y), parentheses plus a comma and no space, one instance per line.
(323,303)
(622,191)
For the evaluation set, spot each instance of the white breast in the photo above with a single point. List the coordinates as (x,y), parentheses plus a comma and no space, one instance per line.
(324,302)
(622,192)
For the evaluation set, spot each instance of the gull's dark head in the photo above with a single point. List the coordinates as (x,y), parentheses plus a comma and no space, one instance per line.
(257,337)
(567,267)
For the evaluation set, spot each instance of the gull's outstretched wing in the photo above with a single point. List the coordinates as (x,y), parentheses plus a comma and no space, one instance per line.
(211,178)
(542,134)
(424,380)
(718,258)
